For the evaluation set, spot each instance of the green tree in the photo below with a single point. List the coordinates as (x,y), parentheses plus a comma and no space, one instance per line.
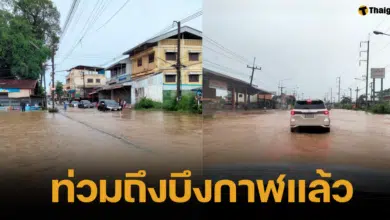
(59,89)
(346,100)
(29,34)
(19,56)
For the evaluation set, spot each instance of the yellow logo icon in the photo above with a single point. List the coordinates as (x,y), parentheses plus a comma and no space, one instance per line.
(363,10)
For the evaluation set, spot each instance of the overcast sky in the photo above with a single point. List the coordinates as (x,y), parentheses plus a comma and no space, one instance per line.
(311,42)
(136,22)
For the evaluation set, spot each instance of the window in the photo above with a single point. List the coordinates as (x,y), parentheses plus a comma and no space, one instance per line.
(89,80)
(97,80)
(170,78)
(139,62)
(151,58)
(193,56)
(309,105)
(170,56)
(194,78)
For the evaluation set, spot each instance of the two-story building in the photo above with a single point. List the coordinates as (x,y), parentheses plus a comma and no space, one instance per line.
(82,80)
(153,72)
(119,73)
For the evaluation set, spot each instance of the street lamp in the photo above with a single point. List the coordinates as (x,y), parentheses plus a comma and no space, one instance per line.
(380,33)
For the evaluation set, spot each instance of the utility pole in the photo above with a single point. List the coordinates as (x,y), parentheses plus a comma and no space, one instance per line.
(44,85)
(357,95)
(350,91)
(84,84)
(281,93)
(367,66)
(52,76)
(253,71)
(339,82)
(178,63)
(371,90)
(331,96)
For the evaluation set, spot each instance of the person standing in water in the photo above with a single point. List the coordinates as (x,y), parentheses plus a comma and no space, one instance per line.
(23,105)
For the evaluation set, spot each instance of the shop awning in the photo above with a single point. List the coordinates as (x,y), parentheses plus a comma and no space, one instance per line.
(109,87)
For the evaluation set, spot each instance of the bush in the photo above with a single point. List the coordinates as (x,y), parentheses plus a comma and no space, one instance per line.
(186,104)
(146,103)
(346,106)
(53,110)
(382,108)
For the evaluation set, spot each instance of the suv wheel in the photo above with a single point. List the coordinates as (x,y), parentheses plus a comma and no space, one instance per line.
(292,130)
(327,130)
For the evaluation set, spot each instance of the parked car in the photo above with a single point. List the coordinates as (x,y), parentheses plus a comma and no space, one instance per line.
(73,104)
(109,105)
(85,104)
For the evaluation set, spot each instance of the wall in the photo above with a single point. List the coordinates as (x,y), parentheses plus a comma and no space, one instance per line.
(161,65)
(151,87)
(192,66)
(76,79)
(22,93)
(253,98)
(146,68)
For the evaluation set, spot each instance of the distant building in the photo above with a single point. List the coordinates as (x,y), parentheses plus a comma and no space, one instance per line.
(119,73)
(82,80)
(12,92)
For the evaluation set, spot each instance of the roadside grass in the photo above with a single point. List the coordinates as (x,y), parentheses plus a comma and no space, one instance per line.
(186,105)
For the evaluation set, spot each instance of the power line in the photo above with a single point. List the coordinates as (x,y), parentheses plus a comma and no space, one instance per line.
(69,18)
(127,1)
(89,21)
(163,31)
(227,50)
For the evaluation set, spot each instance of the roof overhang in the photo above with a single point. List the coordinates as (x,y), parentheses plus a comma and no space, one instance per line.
(166,35)
(83,67)
(239,85)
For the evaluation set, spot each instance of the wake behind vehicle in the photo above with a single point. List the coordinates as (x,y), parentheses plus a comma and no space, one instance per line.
(85,104)
(109,105)
(309,113)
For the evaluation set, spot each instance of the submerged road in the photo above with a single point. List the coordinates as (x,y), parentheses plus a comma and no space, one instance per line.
(356,138)
(36,145)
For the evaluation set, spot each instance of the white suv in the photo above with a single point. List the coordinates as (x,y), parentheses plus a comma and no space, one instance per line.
(309,113)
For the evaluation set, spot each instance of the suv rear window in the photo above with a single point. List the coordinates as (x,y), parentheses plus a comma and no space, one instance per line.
(309,105)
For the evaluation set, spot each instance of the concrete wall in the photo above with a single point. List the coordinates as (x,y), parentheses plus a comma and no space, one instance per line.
(159,65)
(21,94)
(151,87)
(75,79)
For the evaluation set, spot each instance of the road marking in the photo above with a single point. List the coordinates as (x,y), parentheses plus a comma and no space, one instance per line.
(123,139)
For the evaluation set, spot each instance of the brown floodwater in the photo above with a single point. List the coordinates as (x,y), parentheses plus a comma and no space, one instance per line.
(356,138)
(38,144)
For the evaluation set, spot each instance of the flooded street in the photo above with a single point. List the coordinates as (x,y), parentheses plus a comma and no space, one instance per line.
(356,139)
(39,144)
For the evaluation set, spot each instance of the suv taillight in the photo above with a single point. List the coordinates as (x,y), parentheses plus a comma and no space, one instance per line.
(326,112)
(292,112)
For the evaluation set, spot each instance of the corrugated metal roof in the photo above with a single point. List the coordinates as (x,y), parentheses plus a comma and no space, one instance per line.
(19,84)
(122,61)
(94,68)
(165,36)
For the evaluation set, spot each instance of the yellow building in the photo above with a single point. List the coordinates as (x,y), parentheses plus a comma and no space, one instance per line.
(81,80)
(153,62)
